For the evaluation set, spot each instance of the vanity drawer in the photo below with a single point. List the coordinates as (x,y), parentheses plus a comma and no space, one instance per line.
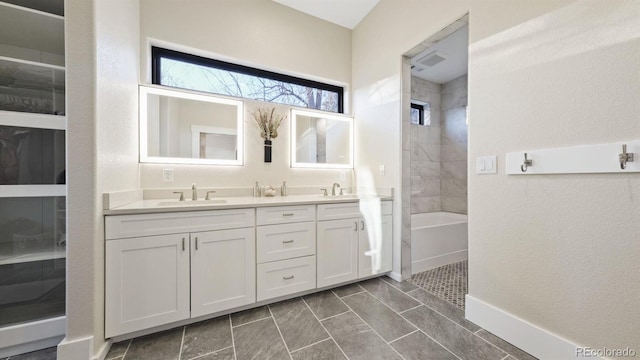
(127,226)
(349,210)
(286,277)
(285,214)
(338,211)
(279,242)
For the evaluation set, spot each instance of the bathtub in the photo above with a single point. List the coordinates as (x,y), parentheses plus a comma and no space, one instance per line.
(437,239)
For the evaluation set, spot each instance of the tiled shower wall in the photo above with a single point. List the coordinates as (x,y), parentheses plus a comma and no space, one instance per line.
(426,195)
(439,152)
(453,146)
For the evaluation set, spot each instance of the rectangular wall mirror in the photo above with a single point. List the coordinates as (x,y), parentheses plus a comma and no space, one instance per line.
(188,128)
(321,140)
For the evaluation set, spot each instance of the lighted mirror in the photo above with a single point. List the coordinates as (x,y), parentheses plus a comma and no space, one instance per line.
(321,140)
(189,128)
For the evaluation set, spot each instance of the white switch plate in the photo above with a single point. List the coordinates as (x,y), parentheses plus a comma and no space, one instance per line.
(381,170)
(343,175)
(167,175)
(486,165)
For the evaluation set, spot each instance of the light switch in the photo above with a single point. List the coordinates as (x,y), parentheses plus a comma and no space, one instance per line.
(486,165)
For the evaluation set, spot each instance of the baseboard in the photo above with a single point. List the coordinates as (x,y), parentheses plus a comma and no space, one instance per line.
(32,336)
(77,349)
(437,261)
(104,350)
(395,276)
(521,333)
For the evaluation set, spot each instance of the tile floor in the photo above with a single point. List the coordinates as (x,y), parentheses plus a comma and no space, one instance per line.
(373,319)
(448,282)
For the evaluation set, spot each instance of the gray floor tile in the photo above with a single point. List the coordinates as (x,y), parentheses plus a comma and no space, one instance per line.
(161,346)
(250,315)
(298,325)
(418,346)
(45,354)
(445,308)
(325,304)
(392,297)
(382,319)
(454,337)
(226,354)
(505,346)
(206,337)
(326,350)
(347,290)
(259,340)
(118,349)
(403,286)
(357,339)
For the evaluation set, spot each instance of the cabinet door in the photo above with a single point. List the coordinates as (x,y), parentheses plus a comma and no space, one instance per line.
(146,282)
(375,247)
(223,270)
(337,251)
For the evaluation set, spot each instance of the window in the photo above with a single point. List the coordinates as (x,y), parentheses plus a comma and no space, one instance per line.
(421,113)
(187,71)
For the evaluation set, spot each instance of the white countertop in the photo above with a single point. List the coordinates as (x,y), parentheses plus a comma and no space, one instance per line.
(231,202)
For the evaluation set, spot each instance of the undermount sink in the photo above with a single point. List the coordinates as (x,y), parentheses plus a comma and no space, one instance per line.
(192,202)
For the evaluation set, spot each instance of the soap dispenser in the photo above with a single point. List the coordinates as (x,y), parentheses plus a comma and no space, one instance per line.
(283,189)
(257,191)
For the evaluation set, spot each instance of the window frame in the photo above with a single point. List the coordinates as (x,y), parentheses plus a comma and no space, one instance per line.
(158,53)
(420,109)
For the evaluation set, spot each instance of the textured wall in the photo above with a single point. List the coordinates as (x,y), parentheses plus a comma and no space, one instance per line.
(453,148)
(425,151)
(558,251)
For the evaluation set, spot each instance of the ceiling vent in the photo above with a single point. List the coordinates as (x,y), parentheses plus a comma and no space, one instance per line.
(433,58)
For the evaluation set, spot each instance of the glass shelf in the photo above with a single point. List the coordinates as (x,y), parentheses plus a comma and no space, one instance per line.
(32,88)
(55,7)
(31,35)
(31,156)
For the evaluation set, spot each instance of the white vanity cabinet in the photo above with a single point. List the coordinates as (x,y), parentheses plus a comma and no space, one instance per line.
(286,248)
(147,282)
(222,270)
(165,267)
(344,247)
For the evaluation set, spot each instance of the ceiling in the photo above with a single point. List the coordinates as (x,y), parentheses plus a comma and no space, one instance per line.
(346,13)
(454,50)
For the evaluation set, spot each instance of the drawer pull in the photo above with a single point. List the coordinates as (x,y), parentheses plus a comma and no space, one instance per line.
(356,226)
(287,214)
(287,241)
(182,244)
(362,222)
(288,277)
(196,243)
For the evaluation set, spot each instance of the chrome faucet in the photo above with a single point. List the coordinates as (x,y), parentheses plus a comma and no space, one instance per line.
(333,188)
(194,192)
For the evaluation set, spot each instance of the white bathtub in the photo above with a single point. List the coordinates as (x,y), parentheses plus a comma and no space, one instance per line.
(437,239)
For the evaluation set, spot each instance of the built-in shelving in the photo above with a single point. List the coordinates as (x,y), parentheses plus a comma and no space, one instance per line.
(32,173)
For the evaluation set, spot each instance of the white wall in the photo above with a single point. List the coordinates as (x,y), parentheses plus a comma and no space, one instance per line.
(557,251)
(102,140)
(257,33)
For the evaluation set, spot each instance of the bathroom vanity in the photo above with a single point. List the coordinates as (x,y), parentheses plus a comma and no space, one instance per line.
(169,264)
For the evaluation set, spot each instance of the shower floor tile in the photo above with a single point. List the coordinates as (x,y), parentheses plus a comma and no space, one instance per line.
(447,282)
